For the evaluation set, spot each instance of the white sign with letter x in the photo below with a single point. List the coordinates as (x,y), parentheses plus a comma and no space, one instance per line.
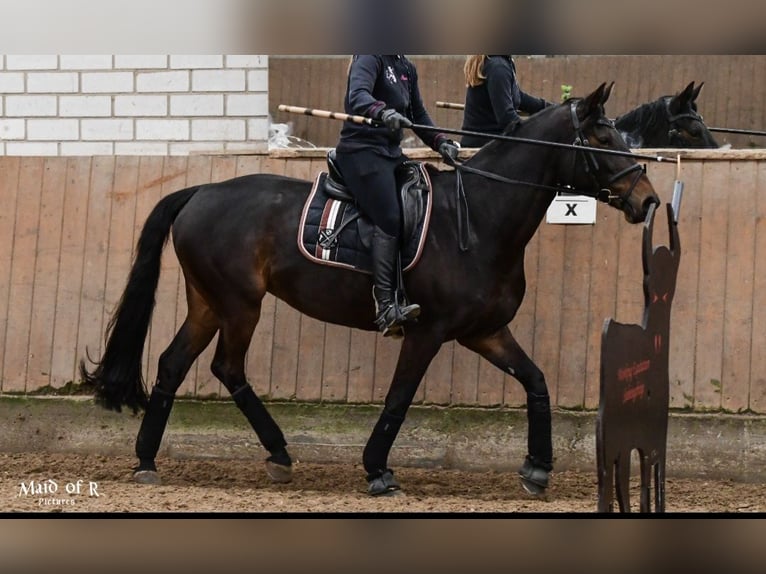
(567,208)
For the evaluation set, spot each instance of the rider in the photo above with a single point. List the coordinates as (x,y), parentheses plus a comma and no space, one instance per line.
(493,97)
(384,88)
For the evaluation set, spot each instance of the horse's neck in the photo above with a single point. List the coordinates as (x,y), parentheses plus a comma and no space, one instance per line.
(513,212)
(643,127)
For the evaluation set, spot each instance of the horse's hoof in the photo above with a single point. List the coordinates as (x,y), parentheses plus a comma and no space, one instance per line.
(279,473)
(384,485)
(147,477)
(534,480)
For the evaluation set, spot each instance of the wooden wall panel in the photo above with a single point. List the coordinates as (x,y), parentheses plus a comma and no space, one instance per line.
(730,98)
(66,274)
(9,187)
(22,274)
(47,271)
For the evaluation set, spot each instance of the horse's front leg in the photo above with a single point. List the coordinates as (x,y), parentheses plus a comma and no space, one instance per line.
(418,350)
(502,350)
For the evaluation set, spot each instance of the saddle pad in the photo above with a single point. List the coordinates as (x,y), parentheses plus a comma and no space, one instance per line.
(334,232)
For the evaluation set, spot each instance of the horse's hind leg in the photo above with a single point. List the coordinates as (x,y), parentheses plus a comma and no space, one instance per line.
(502,350)
(229,367)
(174,363)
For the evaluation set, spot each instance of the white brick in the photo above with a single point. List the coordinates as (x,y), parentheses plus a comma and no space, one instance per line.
(107,129)
(218,80)
(30,106)
(196,105)
(162,82)
(85,62)
(192,62)
(2,148)
(56,129)
(258,80)
(52,82)
(107,82)
(247,61)
(87,148)
(11,82)
(224,130)
(167,130)
(12,129)
(141,148)
(247,105)
(140,105)
(31,148)
(250,147)
(258,129)
(186,148)
(140,62)
(85,106)
(13,62)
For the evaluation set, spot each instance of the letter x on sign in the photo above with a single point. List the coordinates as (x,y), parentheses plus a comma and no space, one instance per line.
(571,209)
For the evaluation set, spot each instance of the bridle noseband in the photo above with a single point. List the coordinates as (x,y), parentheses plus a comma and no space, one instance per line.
(592,167)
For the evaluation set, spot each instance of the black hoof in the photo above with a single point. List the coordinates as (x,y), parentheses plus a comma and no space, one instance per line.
(383,485)
(534,479)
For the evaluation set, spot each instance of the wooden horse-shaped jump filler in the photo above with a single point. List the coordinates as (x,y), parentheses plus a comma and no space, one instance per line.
(634,398)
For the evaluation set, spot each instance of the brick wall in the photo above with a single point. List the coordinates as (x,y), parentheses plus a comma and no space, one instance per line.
(60,105)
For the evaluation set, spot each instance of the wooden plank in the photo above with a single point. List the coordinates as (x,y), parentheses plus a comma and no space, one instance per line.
(712,270)
(22,274)
(361,366)
(310,358)
(550,284)
(386,355)
(574,307)
(683,321)
(465,377)
(47,272)
(738,310)
(65,358)
(335,373)
(757,402)
(90,334)
(9,179)
(437,382)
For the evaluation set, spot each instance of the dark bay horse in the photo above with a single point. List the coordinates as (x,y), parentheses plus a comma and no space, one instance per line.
(667,122)
(235,241)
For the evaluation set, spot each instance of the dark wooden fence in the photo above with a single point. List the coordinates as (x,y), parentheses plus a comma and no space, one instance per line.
(68,228)
(731,98)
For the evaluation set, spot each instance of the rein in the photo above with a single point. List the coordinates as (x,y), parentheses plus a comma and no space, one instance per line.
(581,145)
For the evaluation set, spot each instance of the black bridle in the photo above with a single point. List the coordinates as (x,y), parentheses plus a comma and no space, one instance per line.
(592,167)
(673,130)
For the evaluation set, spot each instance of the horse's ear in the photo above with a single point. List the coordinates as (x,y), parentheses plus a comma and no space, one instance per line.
(607,93)
(592,102)
(697,91)
(688,93)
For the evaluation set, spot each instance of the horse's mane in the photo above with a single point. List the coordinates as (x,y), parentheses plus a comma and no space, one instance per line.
(649,114)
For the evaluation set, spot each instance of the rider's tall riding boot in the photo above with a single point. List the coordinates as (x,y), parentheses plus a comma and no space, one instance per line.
(385,258)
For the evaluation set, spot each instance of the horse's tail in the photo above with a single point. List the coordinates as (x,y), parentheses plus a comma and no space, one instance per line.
(117,379)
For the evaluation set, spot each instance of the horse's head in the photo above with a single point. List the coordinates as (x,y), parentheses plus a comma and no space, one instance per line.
(686,128)
(615,179)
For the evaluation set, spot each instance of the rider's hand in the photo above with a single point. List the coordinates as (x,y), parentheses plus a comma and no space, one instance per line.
(393,120)
(449,151)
